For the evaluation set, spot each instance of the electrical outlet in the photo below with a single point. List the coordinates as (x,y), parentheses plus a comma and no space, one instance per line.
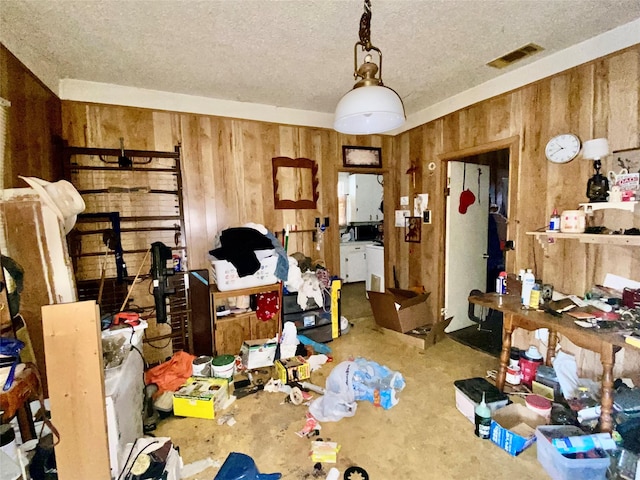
(443,312)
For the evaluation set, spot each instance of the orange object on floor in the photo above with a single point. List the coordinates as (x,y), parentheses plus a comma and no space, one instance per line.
(170,375)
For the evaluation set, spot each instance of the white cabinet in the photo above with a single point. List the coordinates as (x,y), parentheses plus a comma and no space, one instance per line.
(375,268)
(124,396)
(365,197)
(353,264)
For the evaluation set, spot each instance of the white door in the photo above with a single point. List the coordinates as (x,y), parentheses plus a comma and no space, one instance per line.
(466,244)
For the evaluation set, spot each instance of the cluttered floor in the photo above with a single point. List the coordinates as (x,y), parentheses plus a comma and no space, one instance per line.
(424,436)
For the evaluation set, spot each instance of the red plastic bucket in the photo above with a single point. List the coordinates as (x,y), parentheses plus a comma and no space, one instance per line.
(528,370)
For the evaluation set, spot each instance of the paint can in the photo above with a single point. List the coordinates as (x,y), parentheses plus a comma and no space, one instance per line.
(539,404)
(201,366)
(223,366)
(513,376)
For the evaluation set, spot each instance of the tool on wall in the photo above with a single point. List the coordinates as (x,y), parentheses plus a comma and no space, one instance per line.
(160,273)
(123,160)
(110,240)
(121,314)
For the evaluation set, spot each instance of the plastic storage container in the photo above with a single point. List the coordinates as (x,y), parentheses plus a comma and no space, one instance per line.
(226,276)
(469,394)
(560,467)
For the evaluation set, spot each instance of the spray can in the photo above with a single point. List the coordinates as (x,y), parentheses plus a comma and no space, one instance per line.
(501,283)
(554,221)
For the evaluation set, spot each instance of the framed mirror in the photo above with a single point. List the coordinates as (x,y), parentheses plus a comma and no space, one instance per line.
(295,183)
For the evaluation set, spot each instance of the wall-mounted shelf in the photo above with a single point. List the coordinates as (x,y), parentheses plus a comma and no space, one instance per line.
(592,207)
(545,238)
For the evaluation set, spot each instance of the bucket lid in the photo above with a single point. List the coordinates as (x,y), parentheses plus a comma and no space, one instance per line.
(539,402)
(533,353)
(223,360)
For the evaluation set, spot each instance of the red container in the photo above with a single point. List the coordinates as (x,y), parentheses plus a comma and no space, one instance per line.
(528,370)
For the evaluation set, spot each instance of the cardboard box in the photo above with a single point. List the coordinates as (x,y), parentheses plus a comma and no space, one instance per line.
(292,369)
(400,310)
(513,428)
(200,397)
(258,353)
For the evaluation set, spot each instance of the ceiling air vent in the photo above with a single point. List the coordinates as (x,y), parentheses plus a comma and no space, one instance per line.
(516,55)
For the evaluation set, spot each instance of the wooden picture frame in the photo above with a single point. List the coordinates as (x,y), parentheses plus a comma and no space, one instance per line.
(413,229)
(361,157)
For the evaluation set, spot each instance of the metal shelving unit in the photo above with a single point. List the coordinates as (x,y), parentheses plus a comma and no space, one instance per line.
(135,196)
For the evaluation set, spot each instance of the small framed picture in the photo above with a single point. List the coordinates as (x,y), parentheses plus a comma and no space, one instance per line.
(412,229)
(368,157)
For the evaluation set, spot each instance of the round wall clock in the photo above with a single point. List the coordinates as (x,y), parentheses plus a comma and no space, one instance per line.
(562,148)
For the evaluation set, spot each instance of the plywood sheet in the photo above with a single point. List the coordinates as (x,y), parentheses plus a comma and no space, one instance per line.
(73,346)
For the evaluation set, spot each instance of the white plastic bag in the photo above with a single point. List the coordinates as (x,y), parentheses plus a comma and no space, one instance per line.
(567,373)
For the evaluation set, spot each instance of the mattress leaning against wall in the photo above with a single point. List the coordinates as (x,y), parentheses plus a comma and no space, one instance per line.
(32,235)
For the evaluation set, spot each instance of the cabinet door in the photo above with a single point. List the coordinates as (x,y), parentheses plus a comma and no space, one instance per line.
(230,332)
(365,196)
(261,329)
(343,262)
(355,267)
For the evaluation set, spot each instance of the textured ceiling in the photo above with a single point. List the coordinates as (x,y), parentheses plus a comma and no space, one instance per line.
(292,53)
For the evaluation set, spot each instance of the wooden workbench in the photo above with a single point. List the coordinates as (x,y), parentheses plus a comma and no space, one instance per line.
(606,344)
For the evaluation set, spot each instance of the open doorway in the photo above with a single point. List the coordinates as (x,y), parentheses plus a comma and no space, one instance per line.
(476,241)
(361,228)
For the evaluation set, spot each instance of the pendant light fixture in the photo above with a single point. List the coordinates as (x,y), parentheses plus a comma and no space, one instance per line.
(370,107)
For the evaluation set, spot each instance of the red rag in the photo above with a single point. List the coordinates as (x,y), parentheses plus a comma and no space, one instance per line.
(267,305)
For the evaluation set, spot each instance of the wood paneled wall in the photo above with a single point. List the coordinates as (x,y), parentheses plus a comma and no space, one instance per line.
(598,99)
(227,169)
(34,118)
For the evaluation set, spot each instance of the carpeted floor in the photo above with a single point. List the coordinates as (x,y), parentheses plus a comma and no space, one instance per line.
(423,437)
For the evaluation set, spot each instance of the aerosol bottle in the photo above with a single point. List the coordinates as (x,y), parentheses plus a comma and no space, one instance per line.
(554,221)
(528,281)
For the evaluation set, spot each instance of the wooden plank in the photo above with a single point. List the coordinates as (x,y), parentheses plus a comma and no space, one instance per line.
(76,389)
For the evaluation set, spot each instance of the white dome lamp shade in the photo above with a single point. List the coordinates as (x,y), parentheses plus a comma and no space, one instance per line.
(370,107)
(369,110)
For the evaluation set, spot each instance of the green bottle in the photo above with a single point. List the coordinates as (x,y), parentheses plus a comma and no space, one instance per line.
(483,419)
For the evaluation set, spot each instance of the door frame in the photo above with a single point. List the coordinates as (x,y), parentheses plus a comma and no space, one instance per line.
(513,145)
(384,173)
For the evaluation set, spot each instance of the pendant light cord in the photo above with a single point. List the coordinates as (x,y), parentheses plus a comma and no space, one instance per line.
(365,26)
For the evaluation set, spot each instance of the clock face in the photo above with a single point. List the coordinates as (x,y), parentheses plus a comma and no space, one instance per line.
(562,148)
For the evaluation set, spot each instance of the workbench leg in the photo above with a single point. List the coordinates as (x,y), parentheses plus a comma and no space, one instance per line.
(607,357)
(25,422)
(551,349)
(507,330)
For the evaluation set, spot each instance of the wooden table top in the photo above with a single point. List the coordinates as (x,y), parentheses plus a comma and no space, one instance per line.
(533,319)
